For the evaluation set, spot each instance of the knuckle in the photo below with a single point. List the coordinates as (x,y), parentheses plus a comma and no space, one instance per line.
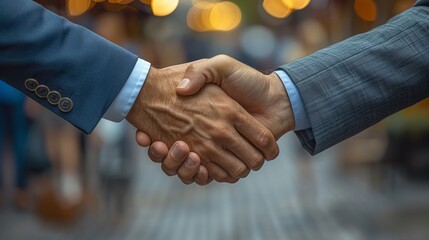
(274,153)
(226,109)
(265,138)
(233,113)
(240,171)
(229,113)
(191,68)
(256,162)
(221,177)
(224,133)
(233,180)
(223,57)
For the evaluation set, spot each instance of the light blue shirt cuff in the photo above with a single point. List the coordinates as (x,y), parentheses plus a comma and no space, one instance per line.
(301,119)
(129,92)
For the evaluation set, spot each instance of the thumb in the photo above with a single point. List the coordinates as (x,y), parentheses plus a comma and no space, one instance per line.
(203,72)
(195,77)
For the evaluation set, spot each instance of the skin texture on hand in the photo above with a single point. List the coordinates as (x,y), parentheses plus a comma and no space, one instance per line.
(261,95)
(214,126)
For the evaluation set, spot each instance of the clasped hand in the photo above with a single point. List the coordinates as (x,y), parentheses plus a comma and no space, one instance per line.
(203,132)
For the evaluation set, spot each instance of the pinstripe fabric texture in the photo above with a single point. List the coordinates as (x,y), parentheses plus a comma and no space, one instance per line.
(354,84)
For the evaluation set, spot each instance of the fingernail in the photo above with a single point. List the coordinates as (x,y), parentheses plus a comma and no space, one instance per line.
(177,153)
(184,83)
(189,162)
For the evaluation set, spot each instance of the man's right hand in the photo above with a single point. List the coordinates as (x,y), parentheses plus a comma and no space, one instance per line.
(263,96)
(226,137)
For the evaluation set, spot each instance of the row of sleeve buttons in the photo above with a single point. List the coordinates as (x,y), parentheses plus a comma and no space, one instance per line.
(65,104)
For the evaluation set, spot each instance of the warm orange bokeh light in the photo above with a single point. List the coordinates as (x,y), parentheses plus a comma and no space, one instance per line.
(162,7)
(78,7)
(225,16)
(214,16)
(296,4)
(366,9)
(276,8)
(198,18)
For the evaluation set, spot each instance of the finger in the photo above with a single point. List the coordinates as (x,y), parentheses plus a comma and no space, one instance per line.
(158,151)
(143,139)
(210,70)
(217,173)
(202,177)
(230,163)
(189,170)
(257,134)
(196,76)
(177,155)
(209,180)
(246,152)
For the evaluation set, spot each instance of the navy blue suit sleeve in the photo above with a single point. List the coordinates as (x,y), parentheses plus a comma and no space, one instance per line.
(36,43)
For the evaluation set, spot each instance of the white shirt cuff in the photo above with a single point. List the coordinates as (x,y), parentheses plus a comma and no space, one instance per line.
(129,92)
(301,119)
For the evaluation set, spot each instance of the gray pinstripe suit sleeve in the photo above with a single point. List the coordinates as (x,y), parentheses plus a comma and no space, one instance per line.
(354,84)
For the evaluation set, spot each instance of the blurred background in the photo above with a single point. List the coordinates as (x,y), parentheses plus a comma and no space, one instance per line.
(59,184)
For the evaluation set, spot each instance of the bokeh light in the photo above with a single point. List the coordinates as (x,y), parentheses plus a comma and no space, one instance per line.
(225,16)
(162,8)
(78,7)
(198,18)
(276,8)
(296,4)
(366,9)
(104,186)
(214,16)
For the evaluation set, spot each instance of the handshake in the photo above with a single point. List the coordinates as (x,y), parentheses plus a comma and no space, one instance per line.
(212,119)
(203,132)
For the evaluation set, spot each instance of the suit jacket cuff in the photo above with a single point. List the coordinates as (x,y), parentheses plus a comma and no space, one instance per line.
(122,104)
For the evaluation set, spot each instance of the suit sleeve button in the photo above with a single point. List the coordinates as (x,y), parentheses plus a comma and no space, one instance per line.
(42,91)
(31,84)
(65,105)
(54,97)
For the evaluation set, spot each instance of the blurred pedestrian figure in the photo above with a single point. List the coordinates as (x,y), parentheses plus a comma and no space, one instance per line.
(115,165)
(61,195)
(13,133)
(116,168)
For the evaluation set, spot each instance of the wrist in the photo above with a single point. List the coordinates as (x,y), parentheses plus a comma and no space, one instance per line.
(283,120)
(138,105)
